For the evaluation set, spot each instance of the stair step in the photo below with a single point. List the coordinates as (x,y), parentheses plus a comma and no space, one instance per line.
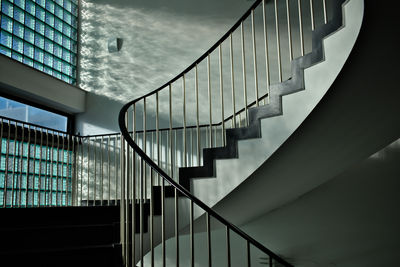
(57,237)
(99,256)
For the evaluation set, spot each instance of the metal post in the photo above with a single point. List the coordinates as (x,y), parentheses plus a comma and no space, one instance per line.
(267,74)
(289,31)
(253,33)
(209,97)
(278,41)
(221,86)
(232,83)
(244,72)
(301,28)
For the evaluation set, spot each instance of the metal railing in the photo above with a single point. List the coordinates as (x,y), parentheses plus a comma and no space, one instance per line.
(169,127)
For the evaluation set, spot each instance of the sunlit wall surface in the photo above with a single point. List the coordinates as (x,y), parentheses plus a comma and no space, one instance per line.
(41,34)
(22,112)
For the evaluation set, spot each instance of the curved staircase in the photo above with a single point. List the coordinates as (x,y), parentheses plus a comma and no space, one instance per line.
(158,168)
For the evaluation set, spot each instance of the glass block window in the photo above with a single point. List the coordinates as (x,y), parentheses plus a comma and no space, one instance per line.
(41,34)
(33,173)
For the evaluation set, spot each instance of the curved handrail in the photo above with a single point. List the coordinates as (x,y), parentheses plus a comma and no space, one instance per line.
(181,189)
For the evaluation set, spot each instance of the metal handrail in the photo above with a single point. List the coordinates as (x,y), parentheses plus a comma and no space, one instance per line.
(182,190)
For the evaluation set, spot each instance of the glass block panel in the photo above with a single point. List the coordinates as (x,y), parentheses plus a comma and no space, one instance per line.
(41,2)
(18,45)
(66,55)
(66,68)
(40,13)
(39,55)
(48,46)
(30,7)
(6,23)
(74,10)
(20,3)
(58,38)
(5,51)
(28,50)
(16,56)
(58,24)
(18,29)
(74,48)
(74,1)
(50,19)
(30,21)
(29,35)
(68,18)
(50,6)
(67,42)
(59,12)
(57,64)
(19,14)
(65,78)
(60,2)
(57,51)
(57,74)
(74,22)
(67,30)
(48,70)
(39,41)
(7,8)
(67,5)
(73,60)
(49,32)
(39,27)
(48,60)
(38,66)
(28,61)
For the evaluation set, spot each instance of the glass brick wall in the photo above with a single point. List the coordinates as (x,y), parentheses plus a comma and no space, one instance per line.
(42,34)
(33,174)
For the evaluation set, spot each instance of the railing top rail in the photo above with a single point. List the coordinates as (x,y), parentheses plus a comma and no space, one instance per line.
(15,121)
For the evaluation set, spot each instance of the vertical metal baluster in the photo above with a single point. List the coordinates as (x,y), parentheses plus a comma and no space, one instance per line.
(62,172)
(47,156)
(232,82)
(221,87)
(13,168)
(191,235)
(21,157)
(209,96)
(196,83)
(278,41)
(109,169)
(158,135)
(312,15)
(126,194)
(244,71)
(133,218)
(228,246)
(301,28)
(248,253)
(144,144)
(177,227)
(88,164)
(52,170)
(101,171)
(270,261)
(151,219)
(95,170)
(40,168)
(163,222)
(57,168)
(175,155)
(141,211)
(253,33)
(184,122)
(115,170)
(325,13)
(122,200)
(289,31)
(170,131)
(267,74)
(81,142)
(34,166)
(208,238)
(1,155)
(27,166)
(6,164)
(192,146)
(74,174)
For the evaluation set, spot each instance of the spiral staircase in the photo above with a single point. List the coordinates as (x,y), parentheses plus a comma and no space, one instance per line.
(186,146)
